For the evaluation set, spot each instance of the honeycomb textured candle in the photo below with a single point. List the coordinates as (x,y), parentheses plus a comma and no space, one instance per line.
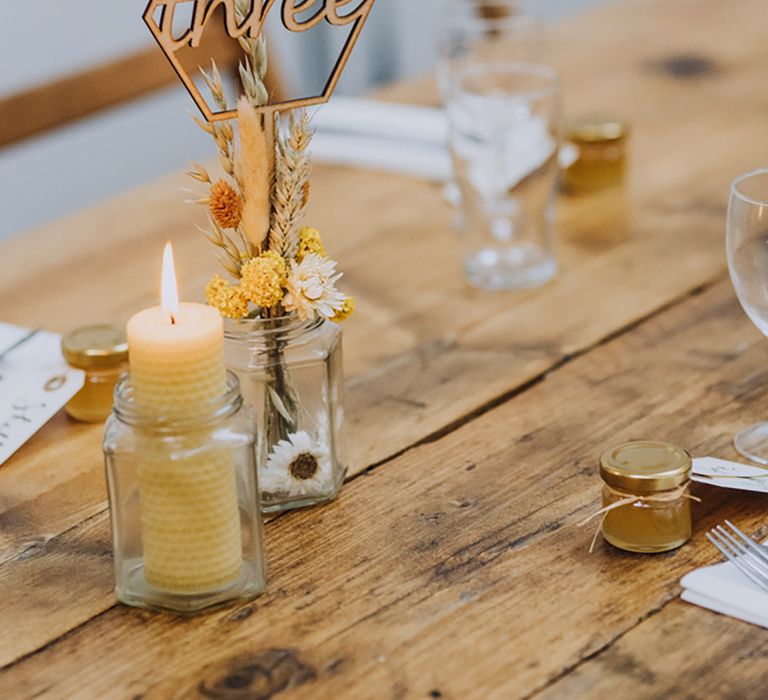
(189,512)
(177,367)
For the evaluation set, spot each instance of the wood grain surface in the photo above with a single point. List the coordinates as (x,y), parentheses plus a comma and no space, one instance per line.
(451,565)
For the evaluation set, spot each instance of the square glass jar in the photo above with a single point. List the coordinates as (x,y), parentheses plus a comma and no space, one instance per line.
(184,507)
(292,380)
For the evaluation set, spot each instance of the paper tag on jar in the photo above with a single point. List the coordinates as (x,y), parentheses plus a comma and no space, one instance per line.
(35,383)
(729,475)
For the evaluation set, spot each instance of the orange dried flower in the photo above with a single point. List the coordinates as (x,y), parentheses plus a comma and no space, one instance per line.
(226,205)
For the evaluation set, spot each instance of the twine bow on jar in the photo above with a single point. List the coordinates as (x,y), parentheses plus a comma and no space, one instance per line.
(631,499)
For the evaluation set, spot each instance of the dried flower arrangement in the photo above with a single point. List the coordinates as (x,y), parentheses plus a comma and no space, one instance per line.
(277,267)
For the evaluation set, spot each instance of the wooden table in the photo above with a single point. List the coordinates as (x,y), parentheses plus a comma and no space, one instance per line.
(451,566)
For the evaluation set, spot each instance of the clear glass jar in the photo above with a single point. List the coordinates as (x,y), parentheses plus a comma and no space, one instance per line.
(183,495)
(102,353)
(291,376)
(645,496)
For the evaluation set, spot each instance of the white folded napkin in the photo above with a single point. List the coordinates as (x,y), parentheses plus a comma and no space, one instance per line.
(723,589)
(384,120)
(411,158)
(398,138)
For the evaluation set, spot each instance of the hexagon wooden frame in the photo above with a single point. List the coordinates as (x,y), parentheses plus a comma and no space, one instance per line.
(203,11)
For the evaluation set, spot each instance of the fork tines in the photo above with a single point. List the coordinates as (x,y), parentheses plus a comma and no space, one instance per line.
(749,557)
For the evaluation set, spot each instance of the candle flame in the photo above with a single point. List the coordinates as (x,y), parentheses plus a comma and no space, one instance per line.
(169,288)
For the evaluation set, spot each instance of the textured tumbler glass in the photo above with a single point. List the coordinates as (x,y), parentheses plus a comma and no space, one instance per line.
(482,31)
(506,123)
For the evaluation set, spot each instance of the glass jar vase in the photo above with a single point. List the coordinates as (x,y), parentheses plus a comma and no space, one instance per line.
(183,496)
(291,377)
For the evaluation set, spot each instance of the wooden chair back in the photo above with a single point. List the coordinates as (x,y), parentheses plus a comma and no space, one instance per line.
(42,108)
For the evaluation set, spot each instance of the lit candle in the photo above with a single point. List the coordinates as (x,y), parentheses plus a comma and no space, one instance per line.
(176,351)
(189,512)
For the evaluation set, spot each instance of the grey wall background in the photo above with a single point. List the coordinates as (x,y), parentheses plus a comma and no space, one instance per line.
(46,177)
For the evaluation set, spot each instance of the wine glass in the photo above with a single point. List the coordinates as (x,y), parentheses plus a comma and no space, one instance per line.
(747,250)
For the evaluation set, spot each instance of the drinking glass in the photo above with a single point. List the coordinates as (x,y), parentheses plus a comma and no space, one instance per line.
(481,31)
(505,121)
(747,251)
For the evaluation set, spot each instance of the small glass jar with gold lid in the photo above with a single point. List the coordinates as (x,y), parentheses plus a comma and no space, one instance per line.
(102,353)
(646,504)
(602,154)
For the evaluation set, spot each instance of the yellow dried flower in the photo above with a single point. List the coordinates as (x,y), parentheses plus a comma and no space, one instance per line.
(263,279)
(227,298)
(225,205)
(278,264)
(345,311)
(310,242)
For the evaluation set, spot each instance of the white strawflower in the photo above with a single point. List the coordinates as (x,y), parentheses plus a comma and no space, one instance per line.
(312,288)
(298,466)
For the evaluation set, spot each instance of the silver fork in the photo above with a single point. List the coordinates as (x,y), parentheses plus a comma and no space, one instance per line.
(747,555)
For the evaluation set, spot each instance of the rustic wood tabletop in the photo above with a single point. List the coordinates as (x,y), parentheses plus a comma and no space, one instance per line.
(451,566)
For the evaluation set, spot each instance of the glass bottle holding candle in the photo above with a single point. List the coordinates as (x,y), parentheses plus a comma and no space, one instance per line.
(180,462)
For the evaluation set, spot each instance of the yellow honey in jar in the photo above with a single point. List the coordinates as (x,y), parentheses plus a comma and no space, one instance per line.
(102,353)
(602,155)
(646,496)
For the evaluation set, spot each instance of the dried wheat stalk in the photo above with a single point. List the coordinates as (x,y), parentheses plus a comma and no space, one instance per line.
(222,133)
(199,173)
(291,187)
(231,257)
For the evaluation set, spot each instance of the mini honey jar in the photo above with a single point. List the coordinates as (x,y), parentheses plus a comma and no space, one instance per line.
(602,146)
(102,353)
(646,504)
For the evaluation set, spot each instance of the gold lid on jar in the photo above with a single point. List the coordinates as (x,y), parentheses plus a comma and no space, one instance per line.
(645,467)
(95,347)
(596,131)
(602,154)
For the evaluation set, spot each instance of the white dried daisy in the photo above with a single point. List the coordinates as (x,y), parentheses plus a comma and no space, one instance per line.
(297,466)
(312,288)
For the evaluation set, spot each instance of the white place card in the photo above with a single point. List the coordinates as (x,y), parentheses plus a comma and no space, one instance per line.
(35,383)
(730,475)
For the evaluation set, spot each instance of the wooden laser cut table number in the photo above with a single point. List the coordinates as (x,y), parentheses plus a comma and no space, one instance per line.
(297,16)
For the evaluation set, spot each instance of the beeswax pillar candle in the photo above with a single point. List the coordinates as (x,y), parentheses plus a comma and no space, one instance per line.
(189,511)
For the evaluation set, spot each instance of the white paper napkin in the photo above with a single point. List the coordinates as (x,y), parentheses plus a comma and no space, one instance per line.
(410,158)
(397,138)
(383,120)
(723,589)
